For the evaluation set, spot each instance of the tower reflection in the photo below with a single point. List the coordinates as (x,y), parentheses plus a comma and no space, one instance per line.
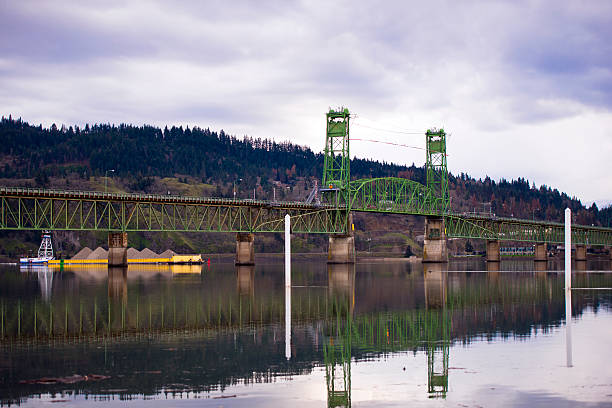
(337,351)
(438,333)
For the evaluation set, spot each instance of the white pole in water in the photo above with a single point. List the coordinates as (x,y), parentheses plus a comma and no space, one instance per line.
(287,250)
(568,249)
(568,286)
(287,287)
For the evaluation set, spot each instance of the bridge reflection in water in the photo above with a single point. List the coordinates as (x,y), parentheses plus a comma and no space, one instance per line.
(429,329)
(341,315)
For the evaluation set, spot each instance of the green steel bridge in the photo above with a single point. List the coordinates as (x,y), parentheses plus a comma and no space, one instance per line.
(43,209)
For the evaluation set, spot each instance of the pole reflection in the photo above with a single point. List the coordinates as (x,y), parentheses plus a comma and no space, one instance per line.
(288,322)
(568,327)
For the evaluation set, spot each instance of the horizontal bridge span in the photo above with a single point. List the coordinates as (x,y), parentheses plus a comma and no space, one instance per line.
(393,195)
(511,229)
(41,209)
(38,209)
(152,198)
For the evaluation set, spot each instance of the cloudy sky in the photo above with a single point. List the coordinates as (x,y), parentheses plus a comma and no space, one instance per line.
(523,87)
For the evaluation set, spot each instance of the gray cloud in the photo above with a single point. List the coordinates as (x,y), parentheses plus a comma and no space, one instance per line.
(488,71)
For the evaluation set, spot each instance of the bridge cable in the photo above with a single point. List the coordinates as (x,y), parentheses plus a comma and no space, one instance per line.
(389,143)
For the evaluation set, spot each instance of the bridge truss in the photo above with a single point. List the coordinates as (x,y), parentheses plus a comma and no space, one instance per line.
(36,209)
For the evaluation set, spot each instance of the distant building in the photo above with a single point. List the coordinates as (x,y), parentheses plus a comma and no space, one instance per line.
(513,251)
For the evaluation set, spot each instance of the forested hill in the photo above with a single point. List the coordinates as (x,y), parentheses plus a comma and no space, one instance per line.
(142,155)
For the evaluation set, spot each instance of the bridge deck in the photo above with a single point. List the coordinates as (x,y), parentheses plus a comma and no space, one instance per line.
(154,198)
(44,209)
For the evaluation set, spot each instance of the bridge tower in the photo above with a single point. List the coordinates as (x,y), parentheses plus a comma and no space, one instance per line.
(434,247)
(337,165)
(336,184)
(437,172)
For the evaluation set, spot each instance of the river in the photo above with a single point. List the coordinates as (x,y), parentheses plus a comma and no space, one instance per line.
(370,334)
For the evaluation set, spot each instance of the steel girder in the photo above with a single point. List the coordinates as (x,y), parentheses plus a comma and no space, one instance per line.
(39,209)
(509,229)
(31,209)
(392,195)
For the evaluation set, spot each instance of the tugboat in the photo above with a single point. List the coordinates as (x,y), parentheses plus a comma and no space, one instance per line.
(45,252)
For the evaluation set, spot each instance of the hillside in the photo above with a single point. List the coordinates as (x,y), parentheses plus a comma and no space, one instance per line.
(195,161)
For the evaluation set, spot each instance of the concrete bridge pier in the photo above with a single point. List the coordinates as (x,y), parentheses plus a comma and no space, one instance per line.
(117,248)
(341,248)
(540,252)
(245,249)
(581,253)
(493,251)
(434,245)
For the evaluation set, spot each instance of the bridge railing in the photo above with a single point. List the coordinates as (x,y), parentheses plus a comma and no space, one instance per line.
(42,209)
(98,195)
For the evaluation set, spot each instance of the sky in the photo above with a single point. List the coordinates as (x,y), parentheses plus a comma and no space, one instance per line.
(523,88)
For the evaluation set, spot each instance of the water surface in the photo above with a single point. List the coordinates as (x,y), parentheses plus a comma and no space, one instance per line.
(371,334)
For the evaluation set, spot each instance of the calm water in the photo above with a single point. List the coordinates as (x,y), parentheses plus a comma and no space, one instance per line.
(384,334)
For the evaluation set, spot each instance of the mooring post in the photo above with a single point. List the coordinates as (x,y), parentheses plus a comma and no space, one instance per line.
(287,287)
(568,249)
(287,250)
(568,286)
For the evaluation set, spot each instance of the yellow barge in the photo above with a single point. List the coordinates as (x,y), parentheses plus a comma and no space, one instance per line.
(176,259)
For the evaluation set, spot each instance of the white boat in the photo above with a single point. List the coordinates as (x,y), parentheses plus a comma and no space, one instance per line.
(45,252)
(35,261)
